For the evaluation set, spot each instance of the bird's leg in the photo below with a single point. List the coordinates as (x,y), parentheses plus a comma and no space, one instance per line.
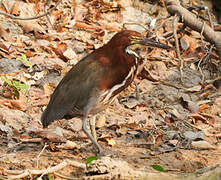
(86,130)
(93,126)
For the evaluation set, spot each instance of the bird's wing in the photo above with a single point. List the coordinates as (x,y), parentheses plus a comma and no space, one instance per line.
(73,92)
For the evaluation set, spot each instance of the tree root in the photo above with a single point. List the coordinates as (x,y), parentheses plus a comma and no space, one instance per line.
(196,24)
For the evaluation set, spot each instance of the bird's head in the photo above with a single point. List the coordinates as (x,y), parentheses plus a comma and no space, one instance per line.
(127,38)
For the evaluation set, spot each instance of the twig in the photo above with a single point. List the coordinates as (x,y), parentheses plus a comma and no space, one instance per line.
(210,18)
(31,140)
(65,177)
(202,31)
(48,18)
(175,25)
(58,167)
(41,153)
(124,26)
(166,83)
(204,58)
(45,172)
(31,18)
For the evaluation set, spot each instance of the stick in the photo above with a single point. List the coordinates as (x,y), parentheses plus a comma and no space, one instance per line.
(196,24)
(53,169)
(31,18)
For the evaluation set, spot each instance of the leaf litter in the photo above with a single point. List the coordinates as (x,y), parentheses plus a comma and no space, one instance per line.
(164,128)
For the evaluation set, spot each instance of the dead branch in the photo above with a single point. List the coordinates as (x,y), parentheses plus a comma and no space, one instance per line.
(175,26)
(191,20)
(31,18)
(28,172)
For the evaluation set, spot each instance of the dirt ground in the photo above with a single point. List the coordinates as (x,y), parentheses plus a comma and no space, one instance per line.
(175,123)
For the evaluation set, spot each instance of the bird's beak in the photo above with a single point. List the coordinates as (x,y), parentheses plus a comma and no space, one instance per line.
(150,42)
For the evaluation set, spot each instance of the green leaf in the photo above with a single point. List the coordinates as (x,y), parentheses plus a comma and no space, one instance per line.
(49,177)
(20,86)
(39,178)
(6,80)
(90,159)
(7,160)
(24,60)
(16,85)
(158,168)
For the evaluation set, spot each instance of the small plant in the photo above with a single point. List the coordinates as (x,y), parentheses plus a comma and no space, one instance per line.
(24,60)
(158,168)
(15,85)
(90,159)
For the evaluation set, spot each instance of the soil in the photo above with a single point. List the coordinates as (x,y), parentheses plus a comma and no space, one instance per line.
(174,124)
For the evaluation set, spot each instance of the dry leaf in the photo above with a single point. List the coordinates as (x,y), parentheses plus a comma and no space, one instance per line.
(55,15)
(199,117)
(54,135)
(194,88)
(205,94)
(70,54)
(203,107)
(188,44)
(48,88)
(193,66)
(68,145)
(13,104)
(60,49)
(5,34)
(80,12)
(15,9)
(190,105)
(29,53)
(111,142)
(86,26)
(101,121)
(202,145)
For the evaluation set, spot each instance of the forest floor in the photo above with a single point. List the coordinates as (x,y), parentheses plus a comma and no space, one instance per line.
(172,131)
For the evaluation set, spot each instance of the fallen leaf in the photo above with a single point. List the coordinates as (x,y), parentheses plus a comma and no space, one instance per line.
(111,142)
(13,104)
(86,26)
(49,88)
(54,135)
(190,135)
(69,53)
(204,145)
(205,94)
(80,12)
(203,107)
(190,105)
(68,145)
(174,142)
(15,9)
(101,121)
(54,15)
(188,44)
(60,49)
(5,34)
(194,88)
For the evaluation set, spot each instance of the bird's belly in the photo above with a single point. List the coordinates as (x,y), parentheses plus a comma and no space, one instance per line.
(102,105)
